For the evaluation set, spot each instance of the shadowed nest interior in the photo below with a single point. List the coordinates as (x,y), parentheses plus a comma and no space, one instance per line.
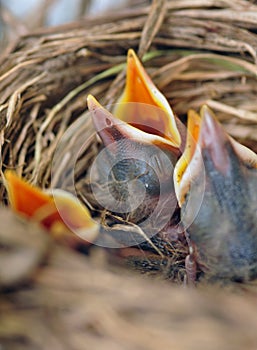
(196,52)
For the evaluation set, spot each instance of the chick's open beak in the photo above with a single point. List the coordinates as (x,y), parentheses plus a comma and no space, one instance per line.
(24,198)
(59,212)
(111,129)
(134,105)
(182,172)
(205,134)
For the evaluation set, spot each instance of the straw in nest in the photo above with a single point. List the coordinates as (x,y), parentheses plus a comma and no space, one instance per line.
(46,76)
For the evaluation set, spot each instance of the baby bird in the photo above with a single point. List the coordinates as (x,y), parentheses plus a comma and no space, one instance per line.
(133,175)
(216,185)
(142,141)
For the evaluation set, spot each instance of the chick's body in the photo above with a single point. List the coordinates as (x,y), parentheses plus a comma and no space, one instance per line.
(224,231)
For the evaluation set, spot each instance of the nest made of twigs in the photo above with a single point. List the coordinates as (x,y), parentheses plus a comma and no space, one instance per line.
(73,302)
(196,52)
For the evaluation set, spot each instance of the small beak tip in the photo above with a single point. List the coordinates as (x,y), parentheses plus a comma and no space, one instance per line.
(131,53)
(92,103)
(207,115)
(214,139)
(210,128)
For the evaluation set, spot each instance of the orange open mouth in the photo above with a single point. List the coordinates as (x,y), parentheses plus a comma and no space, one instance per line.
(59,212)
(140,93)
(205,132)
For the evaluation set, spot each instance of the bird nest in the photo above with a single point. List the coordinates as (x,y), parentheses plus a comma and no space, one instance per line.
(196,52)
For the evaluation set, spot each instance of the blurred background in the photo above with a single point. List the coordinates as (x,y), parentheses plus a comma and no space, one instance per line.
(21,16)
